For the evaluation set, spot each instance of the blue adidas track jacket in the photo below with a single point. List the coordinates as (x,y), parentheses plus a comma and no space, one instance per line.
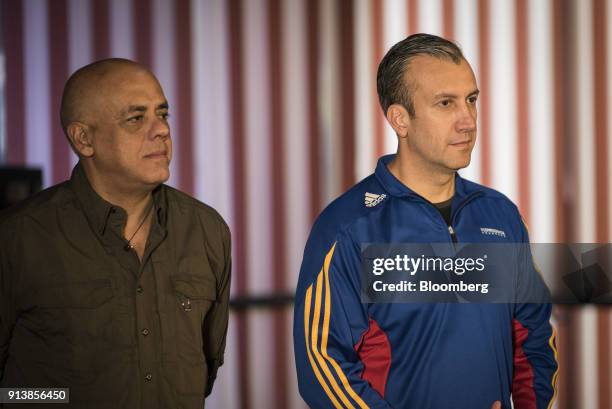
(403,355)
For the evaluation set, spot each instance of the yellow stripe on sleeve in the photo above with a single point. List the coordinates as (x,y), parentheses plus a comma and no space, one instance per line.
(325,333)
(315,336)
(310,358)
(552,343)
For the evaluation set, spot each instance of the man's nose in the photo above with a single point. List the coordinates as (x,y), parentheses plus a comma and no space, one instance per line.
(466,120)
(160,128)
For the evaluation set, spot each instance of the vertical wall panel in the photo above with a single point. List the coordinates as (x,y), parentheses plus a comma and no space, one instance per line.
(122,20)
(100,20)
(466,35)
(602,171)
(502,92)
(58,74)
(366,106)
(602,167)
(523,118)
(345,26)
(80,42)
(164,67)
(312,96)
(430,16)
(394,29)
(448,18)
(295,137)
(608,35)
(142,17)
(381,129)
(211,106)
(588,358)
(237,129)
(329,103)
(257,138)
(585,196)
(13,33)
(278,210)
(259,196)
(484,79)
(225,391)
(414,25)
(184,102)
(542,206)
(36,80)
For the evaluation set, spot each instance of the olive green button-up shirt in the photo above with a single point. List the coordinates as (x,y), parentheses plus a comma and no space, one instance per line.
(79,310)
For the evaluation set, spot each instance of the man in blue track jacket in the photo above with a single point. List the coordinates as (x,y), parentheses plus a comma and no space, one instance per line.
(351,354)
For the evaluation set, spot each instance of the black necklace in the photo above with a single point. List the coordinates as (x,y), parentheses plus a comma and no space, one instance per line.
(129,246)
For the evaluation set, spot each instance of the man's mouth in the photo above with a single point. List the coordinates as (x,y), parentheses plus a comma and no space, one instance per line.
(156,155)
(462,143)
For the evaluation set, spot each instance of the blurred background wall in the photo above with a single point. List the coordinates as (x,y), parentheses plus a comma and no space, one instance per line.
(274,113)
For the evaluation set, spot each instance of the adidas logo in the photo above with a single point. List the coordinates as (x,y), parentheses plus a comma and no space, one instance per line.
(372,199)
(492,232)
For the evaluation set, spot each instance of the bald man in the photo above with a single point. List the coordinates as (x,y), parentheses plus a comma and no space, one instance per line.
(113,284)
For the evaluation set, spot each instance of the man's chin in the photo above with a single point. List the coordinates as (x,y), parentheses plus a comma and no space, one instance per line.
(461,164)
(157,178)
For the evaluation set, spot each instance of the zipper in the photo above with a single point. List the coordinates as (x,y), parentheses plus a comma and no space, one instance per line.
(452,234)
(467,200)
(462,205)
(451,231)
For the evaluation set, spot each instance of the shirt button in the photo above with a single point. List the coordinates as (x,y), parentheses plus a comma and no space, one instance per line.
(148,377)
(145,332)
(139,290)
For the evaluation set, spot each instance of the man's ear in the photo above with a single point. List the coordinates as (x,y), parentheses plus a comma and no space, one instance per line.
(399,119)
(80,137)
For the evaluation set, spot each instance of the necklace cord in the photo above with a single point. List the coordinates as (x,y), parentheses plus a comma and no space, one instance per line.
(129,245)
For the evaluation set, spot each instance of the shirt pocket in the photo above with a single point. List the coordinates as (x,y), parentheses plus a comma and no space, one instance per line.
(193,296)
(193,293)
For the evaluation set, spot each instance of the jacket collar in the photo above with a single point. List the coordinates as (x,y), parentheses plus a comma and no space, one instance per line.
(463,188)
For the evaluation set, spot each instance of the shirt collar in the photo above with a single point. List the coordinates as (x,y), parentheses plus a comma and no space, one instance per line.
(396,188)
(98,211)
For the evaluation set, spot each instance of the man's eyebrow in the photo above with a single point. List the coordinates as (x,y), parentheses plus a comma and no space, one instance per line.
(135,108)
(453,96)
(445,95)
(142,108)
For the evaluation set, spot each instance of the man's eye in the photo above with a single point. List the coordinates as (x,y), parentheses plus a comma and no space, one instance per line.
(164,116)
(135,119)
(444,102)
(472,100)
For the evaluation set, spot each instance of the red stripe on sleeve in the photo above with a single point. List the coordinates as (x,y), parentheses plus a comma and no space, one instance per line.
(523,394)
(374,351)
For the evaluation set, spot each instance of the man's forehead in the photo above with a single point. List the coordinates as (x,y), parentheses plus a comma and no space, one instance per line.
(130,93)
(434,74)
(132,79)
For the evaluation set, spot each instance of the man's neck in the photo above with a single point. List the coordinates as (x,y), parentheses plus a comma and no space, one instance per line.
(435,185)
(135,202)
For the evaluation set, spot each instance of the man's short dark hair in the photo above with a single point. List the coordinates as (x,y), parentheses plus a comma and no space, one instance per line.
(390,78)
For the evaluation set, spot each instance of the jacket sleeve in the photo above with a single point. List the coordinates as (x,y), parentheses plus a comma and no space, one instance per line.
(214,330)
(328,323)
(535,351)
